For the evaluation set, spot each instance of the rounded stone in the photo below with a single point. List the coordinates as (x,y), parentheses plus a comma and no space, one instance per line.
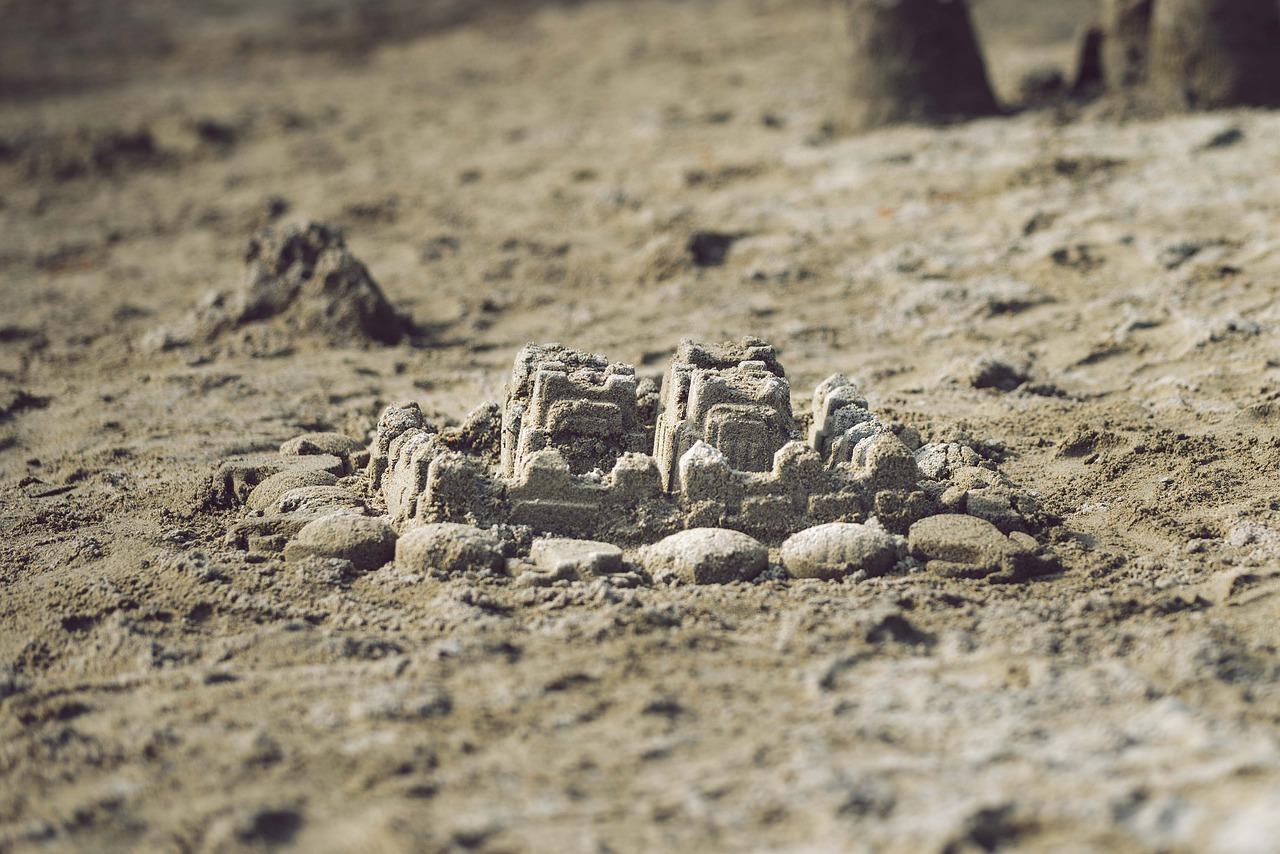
(268,492)
(839,549)
(958,539)
(317,499)
(368,542)
(707,556)
(449,547)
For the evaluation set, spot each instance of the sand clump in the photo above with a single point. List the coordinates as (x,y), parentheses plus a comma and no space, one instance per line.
(449,548)
(314,499)
(333,444)
(956,546)
(841,549)
(234,479)
(300,284)
(706,556)
(583,559)
(367,542)
(268,492)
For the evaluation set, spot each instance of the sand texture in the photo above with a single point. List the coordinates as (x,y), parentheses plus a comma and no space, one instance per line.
(220,632)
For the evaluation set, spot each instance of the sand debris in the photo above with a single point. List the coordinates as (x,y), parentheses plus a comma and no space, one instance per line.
(300,284)
(567,558)
(314,499)
(957,546)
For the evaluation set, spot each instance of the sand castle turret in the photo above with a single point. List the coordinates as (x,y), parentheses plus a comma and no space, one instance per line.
(913,61)
(1216,53)
(735,398)
(574,402)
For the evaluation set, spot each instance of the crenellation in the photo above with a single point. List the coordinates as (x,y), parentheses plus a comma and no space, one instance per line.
(409,458)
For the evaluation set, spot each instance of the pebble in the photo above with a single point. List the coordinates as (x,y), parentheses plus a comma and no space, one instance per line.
(839,549)
(584,559)
(368,542)
(449,547)
(707,556)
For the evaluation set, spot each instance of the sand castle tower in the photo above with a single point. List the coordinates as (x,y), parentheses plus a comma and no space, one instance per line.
(1215,53)
(1126,25)
(733,397)
(576,403)
(913,61)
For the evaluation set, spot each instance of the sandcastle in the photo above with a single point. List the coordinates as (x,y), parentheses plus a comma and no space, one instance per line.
(696,478)
(577,459)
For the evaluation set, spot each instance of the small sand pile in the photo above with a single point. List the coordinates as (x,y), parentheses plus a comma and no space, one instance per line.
(300,284)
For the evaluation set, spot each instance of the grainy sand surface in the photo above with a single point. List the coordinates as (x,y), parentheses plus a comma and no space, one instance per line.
(535,174)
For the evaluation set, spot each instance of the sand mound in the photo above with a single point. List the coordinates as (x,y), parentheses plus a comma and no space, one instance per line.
(300,284)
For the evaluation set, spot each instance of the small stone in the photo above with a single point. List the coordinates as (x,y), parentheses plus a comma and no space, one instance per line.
(707,556)
(367,542)
(268,492)
(839,549)
(449,547)
(566,558)
(315,499)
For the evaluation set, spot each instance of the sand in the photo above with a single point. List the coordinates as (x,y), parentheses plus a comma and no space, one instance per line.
(1087,303)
